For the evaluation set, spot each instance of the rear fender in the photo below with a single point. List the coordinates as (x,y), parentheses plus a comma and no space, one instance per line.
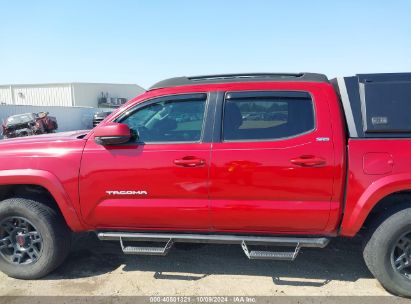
(379,189)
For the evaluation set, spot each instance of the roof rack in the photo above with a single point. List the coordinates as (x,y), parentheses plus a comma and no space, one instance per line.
(249,77)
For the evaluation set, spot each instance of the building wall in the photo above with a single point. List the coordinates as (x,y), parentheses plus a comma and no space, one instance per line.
(5,95)
(44,95)
(40,95)
(65,94)
(87,94)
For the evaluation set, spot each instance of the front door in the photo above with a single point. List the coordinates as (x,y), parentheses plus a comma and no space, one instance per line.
(158,181)
(273,167)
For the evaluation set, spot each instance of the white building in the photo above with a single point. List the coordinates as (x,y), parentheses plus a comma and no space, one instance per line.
(74,94)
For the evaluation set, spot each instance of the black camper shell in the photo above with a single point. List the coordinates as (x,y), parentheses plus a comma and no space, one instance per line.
(376,105)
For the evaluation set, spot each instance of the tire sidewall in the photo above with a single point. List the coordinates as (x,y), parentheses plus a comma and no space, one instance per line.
(383,241)
(15,209)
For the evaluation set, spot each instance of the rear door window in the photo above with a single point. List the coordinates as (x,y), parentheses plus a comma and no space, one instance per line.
(255,116)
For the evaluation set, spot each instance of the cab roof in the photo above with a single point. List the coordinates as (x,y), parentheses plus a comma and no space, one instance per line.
(248,77)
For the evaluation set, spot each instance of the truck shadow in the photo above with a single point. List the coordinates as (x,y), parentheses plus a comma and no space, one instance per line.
(341,260)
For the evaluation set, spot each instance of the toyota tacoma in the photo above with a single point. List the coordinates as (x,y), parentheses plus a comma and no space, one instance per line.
(272,162)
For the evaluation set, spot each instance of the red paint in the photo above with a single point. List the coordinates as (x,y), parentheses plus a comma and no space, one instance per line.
(283,186)
(177,195)
(112,129)
(364,191)
(290,186)
(377,163)
(51,161)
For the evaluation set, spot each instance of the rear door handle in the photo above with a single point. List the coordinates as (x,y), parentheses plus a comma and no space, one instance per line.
(189,161)
(308,161)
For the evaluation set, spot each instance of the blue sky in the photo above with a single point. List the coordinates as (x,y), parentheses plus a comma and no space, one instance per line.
(145,41)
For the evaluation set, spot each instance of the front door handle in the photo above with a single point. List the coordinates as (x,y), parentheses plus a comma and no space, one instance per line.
(189,161)
(308,161)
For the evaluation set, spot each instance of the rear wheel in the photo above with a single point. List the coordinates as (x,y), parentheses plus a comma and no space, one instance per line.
(34,239)
(401,255)
(387,252)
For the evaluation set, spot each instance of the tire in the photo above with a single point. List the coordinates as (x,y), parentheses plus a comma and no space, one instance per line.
(378,252)
(49,239)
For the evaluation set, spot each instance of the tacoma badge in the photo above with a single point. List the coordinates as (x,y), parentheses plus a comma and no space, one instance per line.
(111,192)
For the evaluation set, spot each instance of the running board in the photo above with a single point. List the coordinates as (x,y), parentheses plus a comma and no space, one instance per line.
(295,242)
(146,250)
(271,255)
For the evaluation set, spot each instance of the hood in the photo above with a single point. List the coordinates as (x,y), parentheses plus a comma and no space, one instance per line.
(57,153)
(37,151)
(45,138)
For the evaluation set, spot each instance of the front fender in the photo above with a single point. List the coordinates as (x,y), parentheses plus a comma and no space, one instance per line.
(379,189)
(50,182)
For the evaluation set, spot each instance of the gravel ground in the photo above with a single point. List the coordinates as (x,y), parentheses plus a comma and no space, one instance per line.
(99,268)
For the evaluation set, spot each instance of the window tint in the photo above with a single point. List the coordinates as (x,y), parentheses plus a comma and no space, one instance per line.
(265,117)
(169,120)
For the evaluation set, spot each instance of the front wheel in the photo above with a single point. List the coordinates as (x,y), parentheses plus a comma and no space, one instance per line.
(34,239)
(387,252)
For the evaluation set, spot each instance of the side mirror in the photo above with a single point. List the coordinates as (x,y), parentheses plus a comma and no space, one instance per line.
(112,134)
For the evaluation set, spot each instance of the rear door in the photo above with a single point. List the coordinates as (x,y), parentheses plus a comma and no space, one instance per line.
(273,163)
(158,181)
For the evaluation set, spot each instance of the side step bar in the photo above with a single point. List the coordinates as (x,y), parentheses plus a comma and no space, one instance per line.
(146,250)
(214,239)
(169,238)
(271,255)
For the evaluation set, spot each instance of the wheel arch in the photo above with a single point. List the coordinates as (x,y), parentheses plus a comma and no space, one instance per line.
(10,180)
(387,192)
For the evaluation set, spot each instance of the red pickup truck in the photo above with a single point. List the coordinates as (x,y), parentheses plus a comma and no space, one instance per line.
(272,162)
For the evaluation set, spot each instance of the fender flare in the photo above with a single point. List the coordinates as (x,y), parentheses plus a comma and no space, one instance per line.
(379,189)
(50,182)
